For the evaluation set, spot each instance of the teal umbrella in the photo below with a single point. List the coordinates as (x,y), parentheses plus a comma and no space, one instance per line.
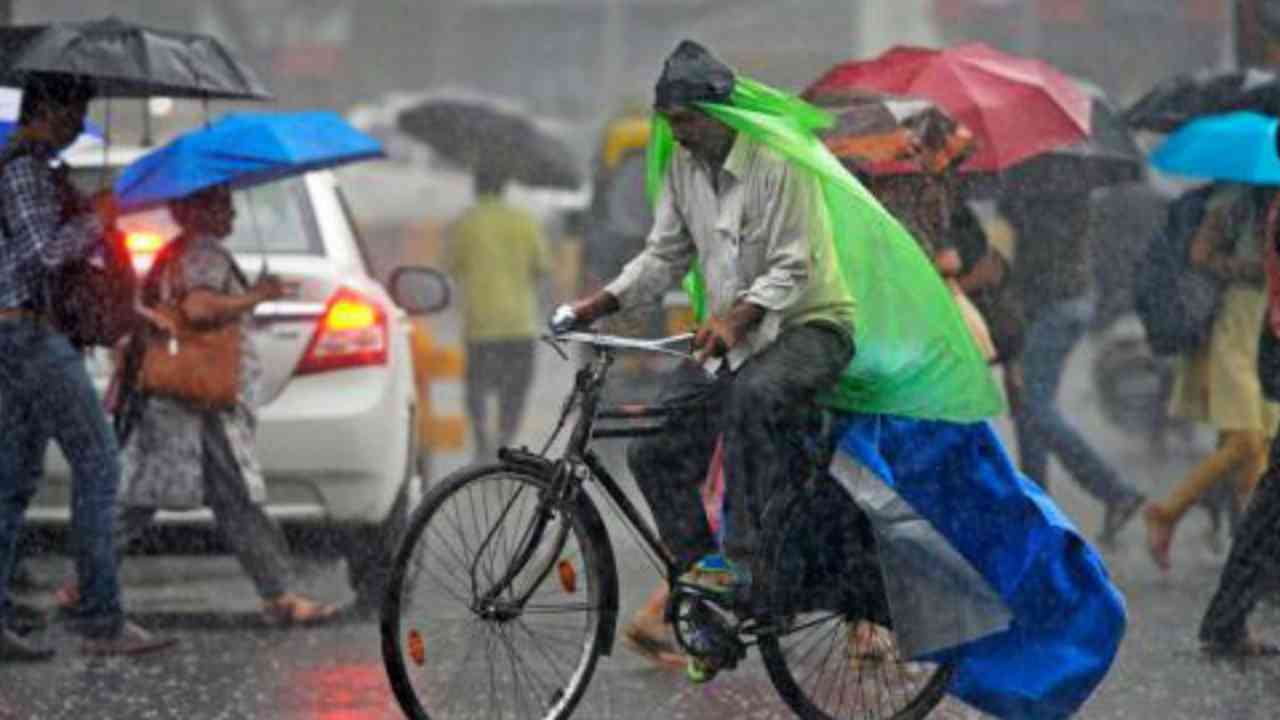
(1236,147)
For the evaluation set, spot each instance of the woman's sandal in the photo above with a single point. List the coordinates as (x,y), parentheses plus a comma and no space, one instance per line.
(290,609)
(658,650)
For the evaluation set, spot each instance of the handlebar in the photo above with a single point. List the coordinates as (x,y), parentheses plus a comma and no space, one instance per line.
(616,342)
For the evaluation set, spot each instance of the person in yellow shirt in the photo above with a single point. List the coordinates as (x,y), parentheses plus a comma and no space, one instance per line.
(498,256)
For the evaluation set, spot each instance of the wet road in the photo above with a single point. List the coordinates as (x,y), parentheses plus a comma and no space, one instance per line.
(229,665)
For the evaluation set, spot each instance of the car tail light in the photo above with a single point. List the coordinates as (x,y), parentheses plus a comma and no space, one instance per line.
(352,333)
(143,243)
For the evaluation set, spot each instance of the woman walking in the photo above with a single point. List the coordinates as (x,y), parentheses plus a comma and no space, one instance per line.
(1219,384)
(177,455)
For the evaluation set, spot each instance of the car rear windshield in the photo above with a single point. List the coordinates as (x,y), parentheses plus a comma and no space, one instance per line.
(276,217)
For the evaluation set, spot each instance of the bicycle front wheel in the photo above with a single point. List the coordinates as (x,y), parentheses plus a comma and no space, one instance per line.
(834,654)
(494,609)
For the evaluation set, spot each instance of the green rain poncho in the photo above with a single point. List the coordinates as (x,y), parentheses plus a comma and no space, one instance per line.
(915,356)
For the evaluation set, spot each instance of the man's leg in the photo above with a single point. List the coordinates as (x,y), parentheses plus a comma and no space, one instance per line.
(478,387)
(514,382)
(670,467)
(1254,557)
(72,414)
(1049,343)
(769,405)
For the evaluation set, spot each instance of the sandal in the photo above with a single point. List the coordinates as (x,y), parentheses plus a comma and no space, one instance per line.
(1246,647)
(657,650)
(290,609)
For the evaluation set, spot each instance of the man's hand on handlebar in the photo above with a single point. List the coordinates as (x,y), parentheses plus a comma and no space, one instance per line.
(720,335)
(581,313)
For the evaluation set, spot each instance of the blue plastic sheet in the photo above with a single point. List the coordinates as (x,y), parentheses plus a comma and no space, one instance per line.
(1067,617)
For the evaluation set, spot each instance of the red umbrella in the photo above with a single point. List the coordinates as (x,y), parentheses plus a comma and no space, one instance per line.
(1016,107)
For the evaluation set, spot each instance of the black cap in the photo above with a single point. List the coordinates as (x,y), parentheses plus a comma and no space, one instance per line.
(692,74)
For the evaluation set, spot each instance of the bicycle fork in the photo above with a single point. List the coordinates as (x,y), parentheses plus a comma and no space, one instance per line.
(488,604)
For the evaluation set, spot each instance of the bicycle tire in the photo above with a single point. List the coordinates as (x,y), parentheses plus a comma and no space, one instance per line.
(792,519)
(430,527)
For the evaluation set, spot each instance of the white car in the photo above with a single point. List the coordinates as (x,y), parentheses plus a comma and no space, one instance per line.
(337,433)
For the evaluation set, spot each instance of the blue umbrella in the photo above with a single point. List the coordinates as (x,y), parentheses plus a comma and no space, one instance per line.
(242,150)
(1239,147)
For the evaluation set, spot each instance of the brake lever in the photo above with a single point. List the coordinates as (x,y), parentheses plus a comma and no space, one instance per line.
(551,340)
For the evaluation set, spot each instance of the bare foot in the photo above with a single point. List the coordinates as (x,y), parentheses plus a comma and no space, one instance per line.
(1159,536)
(654,640)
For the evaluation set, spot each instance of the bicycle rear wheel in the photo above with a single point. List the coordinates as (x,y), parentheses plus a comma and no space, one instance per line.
(835,655)
(494,607)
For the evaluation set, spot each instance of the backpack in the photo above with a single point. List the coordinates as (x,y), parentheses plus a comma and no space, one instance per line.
(91,302)
(1175,301)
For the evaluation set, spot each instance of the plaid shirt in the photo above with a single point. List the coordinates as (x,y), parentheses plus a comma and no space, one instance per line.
(36,238)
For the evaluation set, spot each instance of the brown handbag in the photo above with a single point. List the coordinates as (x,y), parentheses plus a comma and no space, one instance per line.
(197,365)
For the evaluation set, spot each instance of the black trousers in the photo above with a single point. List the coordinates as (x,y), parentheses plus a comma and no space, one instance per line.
(503,368)
(760,410)
(1253,565)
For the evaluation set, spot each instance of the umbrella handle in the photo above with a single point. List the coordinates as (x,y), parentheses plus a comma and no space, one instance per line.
(257,233)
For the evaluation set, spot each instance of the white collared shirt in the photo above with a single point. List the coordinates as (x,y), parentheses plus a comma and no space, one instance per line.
(760,233)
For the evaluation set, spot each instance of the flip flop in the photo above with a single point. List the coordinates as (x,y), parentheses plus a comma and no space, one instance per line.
(295,610)
(659,651)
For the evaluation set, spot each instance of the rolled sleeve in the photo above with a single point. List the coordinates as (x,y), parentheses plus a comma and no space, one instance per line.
(668,252)
(789,262)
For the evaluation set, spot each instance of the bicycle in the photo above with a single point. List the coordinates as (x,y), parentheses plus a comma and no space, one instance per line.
(516,553)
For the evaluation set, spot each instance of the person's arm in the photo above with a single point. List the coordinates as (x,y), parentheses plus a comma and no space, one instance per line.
(987,272)
(33,209)
(206,303)
(203,306)
(667,255)
(786,227)
(1211,250)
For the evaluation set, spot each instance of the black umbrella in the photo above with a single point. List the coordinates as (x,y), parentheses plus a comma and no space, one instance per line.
(483,134)
(1109,156)
(1183,98)
(126,60)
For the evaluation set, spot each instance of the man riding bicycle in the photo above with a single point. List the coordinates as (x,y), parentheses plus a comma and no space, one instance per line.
(779,325)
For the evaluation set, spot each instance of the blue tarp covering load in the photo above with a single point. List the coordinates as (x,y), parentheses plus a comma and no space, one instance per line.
(1043,648)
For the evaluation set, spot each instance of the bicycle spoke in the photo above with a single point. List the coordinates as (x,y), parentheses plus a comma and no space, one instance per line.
(535,631)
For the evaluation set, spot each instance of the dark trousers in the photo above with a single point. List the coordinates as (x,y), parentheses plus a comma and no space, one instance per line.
(503,368)
(1253,564)
(1040,425)
(761,411)
(255,538)
(46,394)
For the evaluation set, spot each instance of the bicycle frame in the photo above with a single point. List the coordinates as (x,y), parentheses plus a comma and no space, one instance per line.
(589,383)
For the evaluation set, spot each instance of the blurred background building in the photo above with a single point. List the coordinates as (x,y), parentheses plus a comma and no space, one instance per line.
(585,64)
(583,60)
